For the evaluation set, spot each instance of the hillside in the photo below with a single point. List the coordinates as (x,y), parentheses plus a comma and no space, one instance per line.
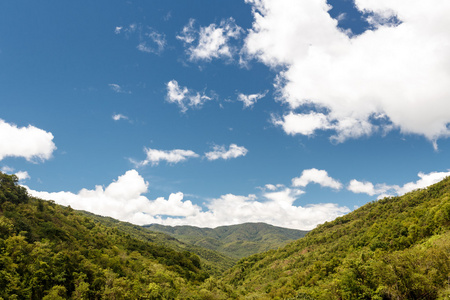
(52,252)
(213,262)
(394,248)
(236,240)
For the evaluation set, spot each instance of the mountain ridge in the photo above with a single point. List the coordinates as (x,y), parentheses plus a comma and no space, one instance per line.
(233,240)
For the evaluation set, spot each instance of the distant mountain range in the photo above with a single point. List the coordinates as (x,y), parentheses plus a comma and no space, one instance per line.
(235,241)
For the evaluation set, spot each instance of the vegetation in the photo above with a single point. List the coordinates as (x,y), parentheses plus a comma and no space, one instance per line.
(394,248)
(235,241)
(52,252)
(213,262)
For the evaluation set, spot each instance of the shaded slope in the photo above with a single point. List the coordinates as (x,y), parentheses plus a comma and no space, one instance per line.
(213,262)
(236,240)
(394,248)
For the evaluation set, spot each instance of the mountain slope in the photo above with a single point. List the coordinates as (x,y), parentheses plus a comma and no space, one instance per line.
(52,252)
(235,241)
(394,248)
(213,262)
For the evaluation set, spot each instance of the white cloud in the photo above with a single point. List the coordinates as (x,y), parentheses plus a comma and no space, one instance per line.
(123,199)
(277,209)
(213,41)
(398,69)
(155,156)
(118,117)
(305,124)
(28,142)
(220,152)
(21,175)
(250,100)
(383,189)
(316,176)
(184,97)
(149,40)
(365,187)
(117,88)
(152,42)
(424,181)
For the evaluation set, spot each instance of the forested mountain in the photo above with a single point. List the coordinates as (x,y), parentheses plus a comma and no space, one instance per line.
(236,240)
(394,248)
(213,262)
(52,252)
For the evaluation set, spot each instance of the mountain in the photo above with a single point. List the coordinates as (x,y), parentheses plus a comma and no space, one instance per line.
(213,262)
(393,248)
(235,241)
(49,251)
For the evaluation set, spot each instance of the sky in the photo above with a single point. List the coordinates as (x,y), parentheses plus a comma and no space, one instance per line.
(211,113)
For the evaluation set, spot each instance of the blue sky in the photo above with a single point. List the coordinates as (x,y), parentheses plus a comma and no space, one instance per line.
(213,113)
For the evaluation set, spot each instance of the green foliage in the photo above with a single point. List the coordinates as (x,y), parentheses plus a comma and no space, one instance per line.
(51,252)
(394,248)
(235,241)
(212,261)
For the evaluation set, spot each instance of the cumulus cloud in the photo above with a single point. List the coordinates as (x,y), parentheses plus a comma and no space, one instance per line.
(118,117)
(29,142)
(123,199)
(155,156)
(220,152)
(365,187)
(210,42)
(21,175)
(384,189)
(398,68)
(250,100)
(184,97)
(316,176)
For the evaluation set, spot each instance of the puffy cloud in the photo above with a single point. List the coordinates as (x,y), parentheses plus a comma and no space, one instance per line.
(424,181)
(184,97)
(118,117)
(213,41)
(383,189)
(276,209)
(21,175)
(250,100)
(398,68)
(123,200)
(365,187)
(28,142)
(316,176)
(220,152)
(305,124)
(154,156)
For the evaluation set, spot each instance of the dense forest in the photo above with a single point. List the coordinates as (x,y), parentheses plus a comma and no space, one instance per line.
(394,248)
(52,252)
(235,241)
